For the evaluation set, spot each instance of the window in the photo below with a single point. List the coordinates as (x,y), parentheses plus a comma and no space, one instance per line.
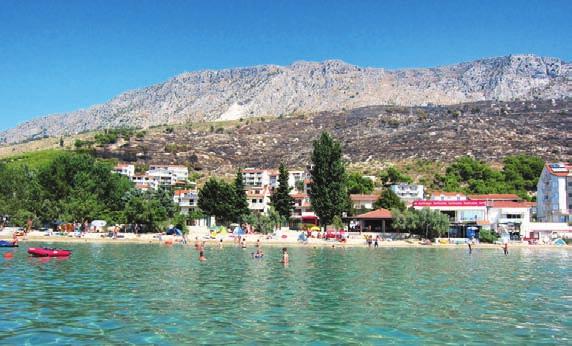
(513,216)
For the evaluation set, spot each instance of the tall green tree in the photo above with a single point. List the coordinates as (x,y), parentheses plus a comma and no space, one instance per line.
(217,198)
(328,192)
(431,223)
(146,208)
(281,199)
(240,200)
(389,200)
(358,184)
(392,175)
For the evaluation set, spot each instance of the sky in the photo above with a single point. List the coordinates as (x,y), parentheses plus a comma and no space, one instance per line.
(60,56)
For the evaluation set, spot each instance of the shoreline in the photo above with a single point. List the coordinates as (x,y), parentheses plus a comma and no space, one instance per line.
(252,239)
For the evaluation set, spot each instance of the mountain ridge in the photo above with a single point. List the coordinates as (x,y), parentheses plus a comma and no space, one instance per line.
(305,87)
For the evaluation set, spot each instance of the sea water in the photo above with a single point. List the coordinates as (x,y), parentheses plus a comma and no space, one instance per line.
(128,293)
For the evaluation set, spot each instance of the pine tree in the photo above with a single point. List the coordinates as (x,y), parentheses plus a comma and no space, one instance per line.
(281,199)
(328,192)
(216,198)
(240,201)
(389,200)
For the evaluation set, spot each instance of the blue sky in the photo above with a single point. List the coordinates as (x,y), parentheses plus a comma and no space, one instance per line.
(58,56)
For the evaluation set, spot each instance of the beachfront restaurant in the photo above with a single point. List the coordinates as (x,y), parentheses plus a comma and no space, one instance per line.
(466,217)
(378,220)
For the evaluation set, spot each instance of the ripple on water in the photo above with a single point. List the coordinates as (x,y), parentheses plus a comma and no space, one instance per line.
(150,294)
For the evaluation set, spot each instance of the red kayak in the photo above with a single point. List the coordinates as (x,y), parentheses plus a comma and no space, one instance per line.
(47,252)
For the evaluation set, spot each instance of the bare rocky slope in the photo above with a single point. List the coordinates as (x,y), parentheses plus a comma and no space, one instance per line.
(305,87)
(371,135)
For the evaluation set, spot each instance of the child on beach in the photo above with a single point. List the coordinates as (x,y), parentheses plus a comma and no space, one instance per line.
(285,256)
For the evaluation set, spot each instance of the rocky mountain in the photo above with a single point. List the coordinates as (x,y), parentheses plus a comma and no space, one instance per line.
(373,135)
(305,87)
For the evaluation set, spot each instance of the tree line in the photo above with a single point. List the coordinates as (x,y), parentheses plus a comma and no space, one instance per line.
(76,187)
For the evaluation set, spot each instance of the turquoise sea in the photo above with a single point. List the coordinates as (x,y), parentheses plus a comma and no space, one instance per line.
(121,294)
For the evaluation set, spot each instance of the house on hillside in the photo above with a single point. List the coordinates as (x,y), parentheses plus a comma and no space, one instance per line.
(554,193)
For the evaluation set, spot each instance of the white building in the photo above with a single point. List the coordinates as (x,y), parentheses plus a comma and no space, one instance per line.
(448,196)
(258,199)
(157,175)
(554,193)
(408,192)
(187,200)
(180,173)
(145,182)
(303,211)
(363,202)
(509,216)
(125,169)
(253,177)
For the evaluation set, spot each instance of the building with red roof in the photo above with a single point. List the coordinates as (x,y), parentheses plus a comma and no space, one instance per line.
(554,193)
(361,202)
(378,220)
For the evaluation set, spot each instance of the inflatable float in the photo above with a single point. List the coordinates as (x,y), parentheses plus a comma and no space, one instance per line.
(5,243)
(47,252)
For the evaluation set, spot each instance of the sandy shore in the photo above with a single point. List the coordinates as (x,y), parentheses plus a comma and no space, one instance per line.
(290,240)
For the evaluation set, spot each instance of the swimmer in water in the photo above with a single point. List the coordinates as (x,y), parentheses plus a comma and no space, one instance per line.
(202,257)
(285,256)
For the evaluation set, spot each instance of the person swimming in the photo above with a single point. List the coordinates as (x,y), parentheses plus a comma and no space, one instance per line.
(202,257)
(258,254)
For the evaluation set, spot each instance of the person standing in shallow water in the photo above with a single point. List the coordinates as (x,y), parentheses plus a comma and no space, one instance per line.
(505,248)
(202,257)
(284,256)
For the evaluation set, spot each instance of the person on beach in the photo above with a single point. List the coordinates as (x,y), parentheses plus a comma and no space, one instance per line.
(258,243)
(376,242)
(197,243)
(505,248)
(202,257)
(243,245)
(470,247)
(220,244)
(369,241)
(284,256)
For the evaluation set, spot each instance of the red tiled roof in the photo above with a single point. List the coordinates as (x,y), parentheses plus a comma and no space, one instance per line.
(496,196)
(364,197)
(375,214)
(567,167)
(510,204)
(180,192)
(299,195)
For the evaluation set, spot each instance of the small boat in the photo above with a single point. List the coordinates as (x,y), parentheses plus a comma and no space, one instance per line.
(5,243)
(47,252)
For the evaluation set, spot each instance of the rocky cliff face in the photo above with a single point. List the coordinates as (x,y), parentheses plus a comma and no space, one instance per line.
(309,87)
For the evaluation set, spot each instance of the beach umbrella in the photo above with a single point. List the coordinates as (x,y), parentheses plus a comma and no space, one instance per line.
(99,223)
